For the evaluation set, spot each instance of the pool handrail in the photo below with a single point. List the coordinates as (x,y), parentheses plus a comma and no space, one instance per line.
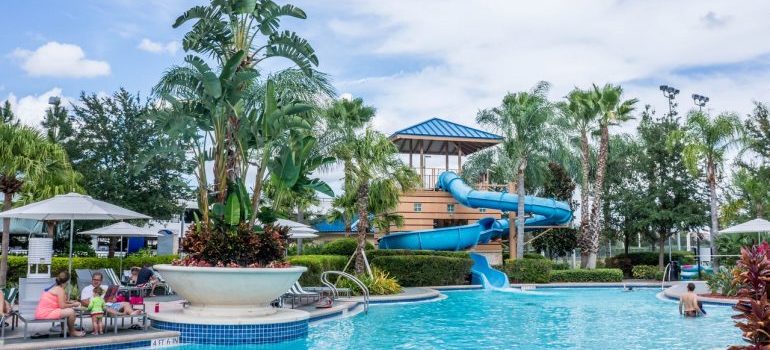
(333,288)
(666,271)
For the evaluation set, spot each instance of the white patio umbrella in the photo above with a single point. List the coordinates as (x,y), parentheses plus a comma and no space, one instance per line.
(72,206)
(756,225)
(122,229)
(300,233)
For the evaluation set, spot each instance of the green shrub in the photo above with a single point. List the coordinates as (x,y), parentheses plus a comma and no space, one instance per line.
(533,256)
(380,284)
(342,246)
(398,252)
(626,262)
(307,248)
(582,275)
(528,270)
(722,283)
(316,265)
(424,270)
(560,266)
(645,272)
(17,265)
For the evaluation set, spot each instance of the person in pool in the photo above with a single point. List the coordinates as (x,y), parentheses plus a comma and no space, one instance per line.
(688,303)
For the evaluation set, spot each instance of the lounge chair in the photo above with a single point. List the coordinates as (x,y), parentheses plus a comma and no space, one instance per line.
(10,294)
(30,291)
(297,293)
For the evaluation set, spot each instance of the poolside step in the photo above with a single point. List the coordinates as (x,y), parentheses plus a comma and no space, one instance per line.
(526,287)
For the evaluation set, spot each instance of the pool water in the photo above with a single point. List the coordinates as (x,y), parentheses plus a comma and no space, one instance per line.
(589,318)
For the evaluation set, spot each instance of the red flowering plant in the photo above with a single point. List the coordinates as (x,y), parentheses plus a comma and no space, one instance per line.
(752,274)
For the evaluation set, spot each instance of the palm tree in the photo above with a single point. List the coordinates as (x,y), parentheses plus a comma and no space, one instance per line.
(705,143)
(385,221)
(612,111)
(376,177)
(30,165)
(580,116)
(526,121)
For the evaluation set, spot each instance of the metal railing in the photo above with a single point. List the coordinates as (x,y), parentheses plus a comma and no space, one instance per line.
(333,288)
(666,273)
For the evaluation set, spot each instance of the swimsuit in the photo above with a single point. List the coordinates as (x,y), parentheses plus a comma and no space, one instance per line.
(48,307)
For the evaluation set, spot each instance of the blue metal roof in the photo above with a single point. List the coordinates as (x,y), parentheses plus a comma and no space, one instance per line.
(443,128)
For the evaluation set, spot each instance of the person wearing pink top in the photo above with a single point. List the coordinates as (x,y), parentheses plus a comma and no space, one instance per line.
(54,305)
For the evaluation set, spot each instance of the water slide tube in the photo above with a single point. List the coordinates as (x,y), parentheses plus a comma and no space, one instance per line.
(544,212)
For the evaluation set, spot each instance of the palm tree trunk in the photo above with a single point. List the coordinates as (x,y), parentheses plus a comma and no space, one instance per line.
(520,211)
(6,240)
(595,221)
(362,201)
(584,241)
(50,227)
(111,249)
(258,184)
(714,207)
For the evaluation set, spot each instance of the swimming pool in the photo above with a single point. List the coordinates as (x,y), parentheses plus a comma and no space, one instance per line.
(552,318)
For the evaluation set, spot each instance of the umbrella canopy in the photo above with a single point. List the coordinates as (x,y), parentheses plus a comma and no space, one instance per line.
(289,223)
(756,225)
(303,236)
(72,206)
(121,229)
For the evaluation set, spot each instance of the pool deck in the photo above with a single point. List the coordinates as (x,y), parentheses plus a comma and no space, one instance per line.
(123,337)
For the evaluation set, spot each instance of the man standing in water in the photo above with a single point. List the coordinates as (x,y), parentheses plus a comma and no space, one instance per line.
(688,303)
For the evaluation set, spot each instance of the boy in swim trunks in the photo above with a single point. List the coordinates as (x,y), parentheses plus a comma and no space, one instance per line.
(688,303)
(96,307)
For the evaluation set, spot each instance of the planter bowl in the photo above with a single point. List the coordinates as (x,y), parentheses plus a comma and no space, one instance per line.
(230,292)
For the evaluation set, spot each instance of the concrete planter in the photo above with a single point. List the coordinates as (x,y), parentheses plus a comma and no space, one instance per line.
(230,292)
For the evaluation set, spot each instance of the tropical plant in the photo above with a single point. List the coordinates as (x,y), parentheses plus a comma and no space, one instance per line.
(383,222)
(379,283)
(6,114)
(612,111)
(705,143)
(722,283)
(344,119)
(228,116)
(580,113)
(752,273)
(526,122)
(375,177)
(29,164)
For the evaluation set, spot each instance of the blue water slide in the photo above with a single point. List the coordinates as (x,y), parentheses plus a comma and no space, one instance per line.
(482,273)
(543,212)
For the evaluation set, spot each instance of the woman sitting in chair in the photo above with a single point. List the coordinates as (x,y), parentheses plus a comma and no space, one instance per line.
(54,304)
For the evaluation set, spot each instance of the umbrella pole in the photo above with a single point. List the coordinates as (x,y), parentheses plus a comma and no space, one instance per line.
(299,246)
(120,271)
(72,233)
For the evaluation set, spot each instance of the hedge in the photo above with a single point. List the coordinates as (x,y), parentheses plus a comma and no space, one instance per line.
(342,246)
(645,272)
(424,270)
(401,252)
(533,256)
(626,262)
(528,270)
(583,275)
(317,264)
(17,265)
(560,266)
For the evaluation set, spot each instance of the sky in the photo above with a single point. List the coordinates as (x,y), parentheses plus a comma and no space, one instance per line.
(414,60)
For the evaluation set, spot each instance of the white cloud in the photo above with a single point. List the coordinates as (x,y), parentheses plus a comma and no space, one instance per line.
(148,45)
(31,109)
(476,53)
(59,60)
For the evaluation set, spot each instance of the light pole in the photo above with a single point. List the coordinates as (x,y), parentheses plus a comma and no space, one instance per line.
(699,101)
(670,93)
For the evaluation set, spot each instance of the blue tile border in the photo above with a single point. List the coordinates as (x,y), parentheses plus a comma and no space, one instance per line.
(236,334)
(130,345)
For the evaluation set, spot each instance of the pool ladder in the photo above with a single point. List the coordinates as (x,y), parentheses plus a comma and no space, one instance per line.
(666,273)
(333,288)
